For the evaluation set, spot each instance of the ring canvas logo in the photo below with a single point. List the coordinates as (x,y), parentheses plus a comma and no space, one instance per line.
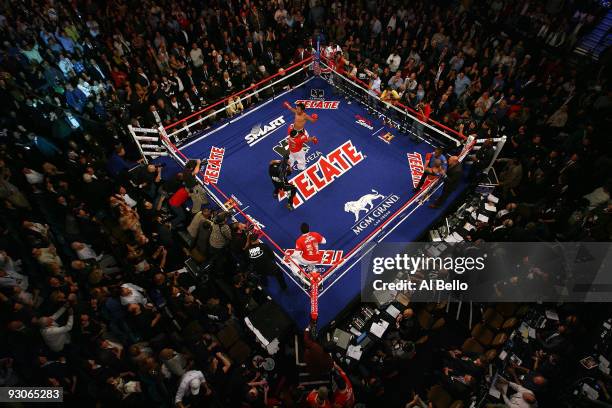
(317,104)
(235,199)
(329,257)
(258,133)
(415,161)
(213,165)
(376,206)
(324,172)
(282,148)
(317,93)
(387,137)
(365,203)
(252,220)
(364,122)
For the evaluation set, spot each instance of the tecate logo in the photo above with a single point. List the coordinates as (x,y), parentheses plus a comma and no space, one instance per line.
(213,166)
(324,172)
(256,136)
(415,161)
(315,104)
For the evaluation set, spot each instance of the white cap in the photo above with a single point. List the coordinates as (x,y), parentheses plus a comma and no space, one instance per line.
(194,386)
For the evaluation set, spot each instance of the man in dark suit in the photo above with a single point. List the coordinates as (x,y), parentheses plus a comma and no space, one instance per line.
(189,78)
(454,174)
(268,58)
(140,77)
(204,74)
(96,71)
(300,54)
(250,52)
(459,386)
(481,159)
(556,341)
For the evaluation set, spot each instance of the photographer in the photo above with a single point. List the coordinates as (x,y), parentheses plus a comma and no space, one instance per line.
(219,240)
(195,189)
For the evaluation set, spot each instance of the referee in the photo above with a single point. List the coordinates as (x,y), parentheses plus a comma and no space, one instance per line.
(278,171)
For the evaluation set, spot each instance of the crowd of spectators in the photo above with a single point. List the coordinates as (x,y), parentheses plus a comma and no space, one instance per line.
(89,293)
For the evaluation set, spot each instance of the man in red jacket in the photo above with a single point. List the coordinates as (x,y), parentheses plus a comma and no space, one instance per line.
(424,112)
(318,398)
(343,396)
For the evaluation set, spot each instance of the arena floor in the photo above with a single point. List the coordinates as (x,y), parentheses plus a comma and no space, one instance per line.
(357,188)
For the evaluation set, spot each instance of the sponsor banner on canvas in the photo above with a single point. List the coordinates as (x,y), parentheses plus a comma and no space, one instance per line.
(318,104)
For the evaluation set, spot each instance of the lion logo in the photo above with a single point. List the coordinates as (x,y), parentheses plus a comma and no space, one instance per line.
(365,203)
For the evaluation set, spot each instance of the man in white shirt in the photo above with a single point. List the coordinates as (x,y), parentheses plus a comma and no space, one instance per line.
(522,398)
(598,197)
(375,84)
(393,61)
(55,336)
(126,197)
(131,293)
(280,16)
(83,251)
(65,65)
(33,177)
(190,385)
(197,57)
(376,26)
(9,279)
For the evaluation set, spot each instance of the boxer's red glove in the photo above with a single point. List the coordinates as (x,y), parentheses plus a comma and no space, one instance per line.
(315,140)
(315,116)
(287,105)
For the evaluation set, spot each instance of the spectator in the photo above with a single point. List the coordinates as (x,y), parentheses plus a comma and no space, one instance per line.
(319,398)
(393,61)
(461,84)
(55,336)
(510,178)
(190,387)
(522,398)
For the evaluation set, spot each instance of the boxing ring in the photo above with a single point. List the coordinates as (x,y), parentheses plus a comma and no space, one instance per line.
(357,189)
